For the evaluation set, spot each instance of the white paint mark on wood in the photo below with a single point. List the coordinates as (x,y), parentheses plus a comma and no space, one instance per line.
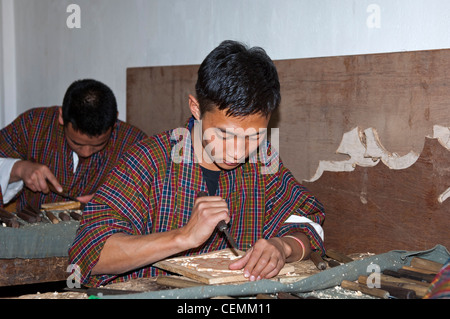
(392,160)
(444,196)
(442,133)
(364,149)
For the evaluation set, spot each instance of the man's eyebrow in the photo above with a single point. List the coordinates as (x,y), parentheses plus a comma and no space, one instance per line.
(231,131)
(79,144)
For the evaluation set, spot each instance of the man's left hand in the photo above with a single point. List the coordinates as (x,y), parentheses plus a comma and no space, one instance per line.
(264,260)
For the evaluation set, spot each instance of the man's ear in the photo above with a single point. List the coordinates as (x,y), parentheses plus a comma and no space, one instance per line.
(194,106)
(60,117)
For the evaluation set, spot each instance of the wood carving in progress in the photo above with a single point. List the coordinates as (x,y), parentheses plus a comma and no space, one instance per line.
(210,268)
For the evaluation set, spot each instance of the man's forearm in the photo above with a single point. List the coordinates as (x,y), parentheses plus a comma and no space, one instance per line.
(122,253)
(295,250)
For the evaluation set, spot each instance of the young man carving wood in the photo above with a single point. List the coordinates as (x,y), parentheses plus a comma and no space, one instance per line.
(148,209)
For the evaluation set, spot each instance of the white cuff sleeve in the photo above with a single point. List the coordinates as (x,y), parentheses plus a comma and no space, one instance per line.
(9,190)
(305,220)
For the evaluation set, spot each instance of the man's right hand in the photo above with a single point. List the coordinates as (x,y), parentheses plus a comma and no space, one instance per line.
(122,252)
(208,211)
(34,176)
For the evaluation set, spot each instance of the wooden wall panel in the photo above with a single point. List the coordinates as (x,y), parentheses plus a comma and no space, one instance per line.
(157,97)
(401,95)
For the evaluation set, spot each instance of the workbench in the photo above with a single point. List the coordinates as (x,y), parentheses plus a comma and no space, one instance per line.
(306,282)
(35,253)
(348,125)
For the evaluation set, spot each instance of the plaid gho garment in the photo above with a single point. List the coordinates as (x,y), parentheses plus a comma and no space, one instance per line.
(36,135)
(150,192)
(440,287)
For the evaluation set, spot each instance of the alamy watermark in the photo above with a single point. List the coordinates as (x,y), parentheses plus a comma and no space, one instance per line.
(373,20)
(73,21)
(234,145)
(74,279)
(374,279)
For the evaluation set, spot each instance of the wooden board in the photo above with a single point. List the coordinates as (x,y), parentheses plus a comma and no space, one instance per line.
(29,271)
(210,268)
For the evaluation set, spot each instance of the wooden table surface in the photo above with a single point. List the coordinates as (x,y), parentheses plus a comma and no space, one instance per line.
(302,269)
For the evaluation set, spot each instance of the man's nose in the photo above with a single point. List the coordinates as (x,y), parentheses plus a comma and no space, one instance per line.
(86,151)
(236,149)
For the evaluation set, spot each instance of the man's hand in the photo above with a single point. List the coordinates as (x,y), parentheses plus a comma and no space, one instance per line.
(264,260)
(34,176)
(85,198)
(208,211)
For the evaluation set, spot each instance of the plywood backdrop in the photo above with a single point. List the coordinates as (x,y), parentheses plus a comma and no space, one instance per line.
(400,95)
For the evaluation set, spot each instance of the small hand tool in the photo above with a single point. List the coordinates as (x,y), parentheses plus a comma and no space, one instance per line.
(376,292)
(336,255)
(421,263)
(9,218)
(63,194)
(223,227)
(318,261)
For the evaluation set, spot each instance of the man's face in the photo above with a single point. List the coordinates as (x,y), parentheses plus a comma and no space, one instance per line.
(229,141)
(85,145)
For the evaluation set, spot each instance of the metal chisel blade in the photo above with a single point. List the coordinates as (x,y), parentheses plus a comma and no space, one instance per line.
(222,226)
(230,239)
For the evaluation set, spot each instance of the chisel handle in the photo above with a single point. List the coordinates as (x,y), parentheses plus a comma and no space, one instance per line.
(221,226)
(318,261)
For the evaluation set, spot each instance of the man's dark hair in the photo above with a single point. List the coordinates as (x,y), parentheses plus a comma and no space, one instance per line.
(242,80)
(90,106)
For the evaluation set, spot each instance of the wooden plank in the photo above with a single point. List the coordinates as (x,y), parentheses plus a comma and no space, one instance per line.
(19,271)
(210,268)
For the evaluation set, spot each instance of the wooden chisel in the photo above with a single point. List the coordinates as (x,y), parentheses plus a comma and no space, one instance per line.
(422,263)
(403,273)
(318,261)
(62,194)
(9,218)
(336,255)
(375,292)
(406,283)
(393,289)
(223,228)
